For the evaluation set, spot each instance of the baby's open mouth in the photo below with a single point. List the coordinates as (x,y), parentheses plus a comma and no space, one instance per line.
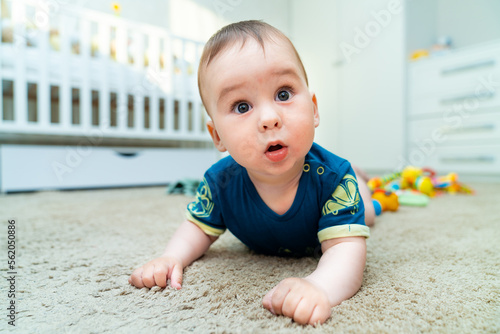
(273,148)
(276,152)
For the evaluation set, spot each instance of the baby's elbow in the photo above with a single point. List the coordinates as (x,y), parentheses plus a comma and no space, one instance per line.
(369,215)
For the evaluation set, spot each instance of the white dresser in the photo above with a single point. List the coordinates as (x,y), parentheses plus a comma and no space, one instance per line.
(453,120)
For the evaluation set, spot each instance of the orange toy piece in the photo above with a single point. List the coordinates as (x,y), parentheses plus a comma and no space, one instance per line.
(384,201)
(374,183)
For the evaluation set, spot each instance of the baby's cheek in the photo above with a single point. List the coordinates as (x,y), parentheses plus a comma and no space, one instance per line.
(244,152)
(304,136)
(247,149)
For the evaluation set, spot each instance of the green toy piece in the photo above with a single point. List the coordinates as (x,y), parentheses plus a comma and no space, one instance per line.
(413,199)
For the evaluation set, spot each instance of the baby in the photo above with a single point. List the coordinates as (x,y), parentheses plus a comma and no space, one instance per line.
(278,192)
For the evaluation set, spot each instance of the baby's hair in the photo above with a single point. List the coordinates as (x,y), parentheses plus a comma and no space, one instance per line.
(240,31)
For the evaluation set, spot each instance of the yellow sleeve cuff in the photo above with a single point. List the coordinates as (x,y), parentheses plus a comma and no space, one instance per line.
(209,230)
(342,231)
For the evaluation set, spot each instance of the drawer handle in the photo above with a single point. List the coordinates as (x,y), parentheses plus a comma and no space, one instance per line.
(472,128)
(485,95)
(468,67)
(128,154)
(488,159)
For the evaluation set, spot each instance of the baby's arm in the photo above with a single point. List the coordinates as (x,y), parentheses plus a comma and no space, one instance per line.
(338,277)
(187,244)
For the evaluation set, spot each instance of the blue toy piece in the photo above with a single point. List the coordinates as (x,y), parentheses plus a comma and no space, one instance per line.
(377,206)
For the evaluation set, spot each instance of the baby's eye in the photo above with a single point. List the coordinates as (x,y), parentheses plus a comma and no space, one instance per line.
(283,95)
(242,108)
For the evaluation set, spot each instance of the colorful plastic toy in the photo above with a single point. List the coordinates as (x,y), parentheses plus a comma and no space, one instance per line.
(446,181)
(380,182)
(384,201)
(409,176)
(412,186)
(424,185)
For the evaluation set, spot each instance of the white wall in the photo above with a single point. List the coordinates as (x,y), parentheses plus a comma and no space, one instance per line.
(314,34)
(197,19)
(371,81)
(200,19)
(154,12)
(422,20)
(469,22)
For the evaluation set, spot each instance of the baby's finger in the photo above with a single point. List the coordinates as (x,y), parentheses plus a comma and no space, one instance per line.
(278,297)
(136,278)
(148,276)
(303,311)
(320,314)
(176,277)
(266,301)
(290,303)
(160,275)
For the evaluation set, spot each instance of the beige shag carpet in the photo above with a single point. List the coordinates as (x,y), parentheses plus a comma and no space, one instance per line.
(433,269)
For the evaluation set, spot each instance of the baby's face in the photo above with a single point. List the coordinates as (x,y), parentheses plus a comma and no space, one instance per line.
(262,111)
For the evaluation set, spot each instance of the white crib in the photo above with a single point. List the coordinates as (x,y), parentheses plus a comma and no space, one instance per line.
(92,82)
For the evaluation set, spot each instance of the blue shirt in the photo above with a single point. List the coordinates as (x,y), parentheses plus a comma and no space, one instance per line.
(327,205)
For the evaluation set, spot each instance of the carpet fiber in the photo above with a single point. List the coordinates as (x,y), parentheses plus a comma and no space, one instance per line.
(433,269)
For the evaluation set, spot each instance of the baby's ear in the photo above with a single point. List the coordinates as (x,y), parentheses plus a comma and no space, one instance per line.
(215,136)
(315,106)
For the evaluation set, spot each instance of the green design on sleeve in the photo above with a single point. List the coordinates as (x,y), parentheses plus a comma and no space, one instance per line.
(203,206)
(345,196)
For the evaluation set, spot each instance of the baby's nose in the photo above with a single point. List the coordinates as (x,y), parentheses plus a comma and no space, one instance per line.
(270,125)
(270,119)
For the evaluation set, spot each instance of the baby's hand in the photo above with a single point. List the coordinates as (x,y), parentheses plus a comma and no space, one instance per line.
(299,299)
(157,272)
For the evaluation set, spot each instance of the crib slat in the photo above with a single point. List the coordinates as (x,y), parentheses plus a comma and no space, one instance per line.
(138,89)
(183,115)
(43,81)
(196,117)
(65,97)
(138,50)
(122,59)
(1,72)
(181,92)
(169,70)
(138,111)
(85,91)
(154,111)
(197,100)
(122,106)
(104,100)
(154,76)
(154,52)
(20,84)
(121,44)
(104,38)
(169,116)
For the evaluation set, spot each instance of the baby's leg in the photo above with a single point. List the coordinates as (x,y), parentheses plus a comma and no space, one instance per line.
(366,195)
